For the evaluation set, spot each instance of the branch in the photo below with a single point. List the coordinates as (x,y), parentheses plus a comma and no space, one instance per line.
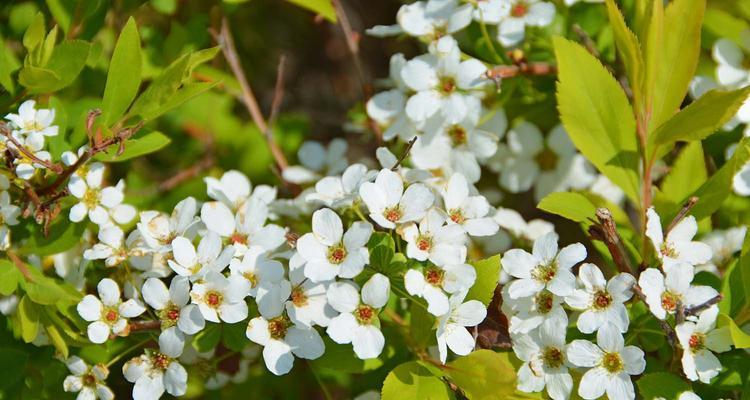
(522,68)
(352,42)
(697,309)
(22,149)
(689,204)
(606,231)
(404,154)
(136,326)
(226,41)
(668,330)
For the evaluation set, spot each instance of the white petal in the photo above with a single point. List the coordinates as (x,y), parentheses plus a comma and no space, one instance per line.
(368,342)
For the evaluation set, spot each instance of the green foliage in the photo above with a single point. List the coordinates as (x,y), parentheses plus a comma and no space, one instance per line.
(9,277)
(413,381)
(61,236)
(483,375)
(322,7)
(628,48)
(124,77)
(740,339)
(208,338)
(571,205)
(140,146)
(661,385)
(686,175)
(597,115)
(488,272)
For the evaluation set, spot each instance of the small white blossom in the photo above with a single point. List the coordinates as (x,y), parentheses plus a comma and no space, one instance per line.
(543,353)
(665,294)
(724,244)
(101,205)
(452,333)
(389,204)
(110,314)
(31,121)
(88,381)
(528,313)
(435,241)
(699,340)
(245,228)
(178,318)
(602,302)
(434,284)
(522,13)
(9,214)
(153,373)
(210,256)
(317,161)
(159,229)
(470,212)
(339,192)
(219,298)
(678,246)
(308,302)
(282,340)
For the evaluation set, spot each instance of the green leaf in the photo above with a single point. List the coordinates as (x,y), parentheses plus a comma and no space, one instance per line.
(740,339)
(56,339)
(322,7)
(687,173)
(413,381)
(661,384)
(28,314)
(161,89)
(488,272)
(736,283)
(67,61)
(9,277)
(124,76)
(62,236)
(187,92)
(48,291)
(674,62)
(597,116)
(421,324)
(8,64)
(138,147)
(701,118)
(627,47)
(37,78)
(35,33)
(571,205)
(208,338)
(12,366)
(234,336)
(340,357)
(481,370)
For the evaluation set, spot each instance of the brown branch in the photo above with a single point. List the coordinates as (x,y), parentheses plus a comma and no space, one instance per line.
(522,68)
(689,204)
(17,146)
(22,267)
(606,231)
(226,41)
(136,326)
(404,154)
(697,309)
(352,42)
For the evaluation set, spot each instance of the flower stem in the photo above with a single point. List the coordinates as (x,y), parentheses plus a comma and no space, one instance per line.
(126,352)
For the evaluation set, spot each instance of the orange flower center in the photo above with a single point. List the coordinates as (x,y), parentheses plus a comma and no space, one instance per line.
(519,10)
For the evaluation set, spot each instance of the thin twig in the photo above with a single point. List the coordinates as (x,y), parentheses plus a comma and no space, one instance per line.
(404,154)
(523,68)
(697,309)
(17,146)
(20,265)
(136,326)
(226,41)
(689,204)
(352,42)
(606,231)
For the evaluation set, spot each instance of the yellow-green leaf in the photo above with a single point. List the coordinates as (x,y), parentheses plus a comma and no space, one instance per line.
(573,206)
(740,339)
(124,76)
(488,272)
(322,7)
(413,381)
(484,375)
(628,48)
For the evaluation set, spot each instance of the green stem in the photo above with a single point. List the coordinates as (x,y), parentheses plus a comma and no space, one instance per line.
(128,350)
(322,385)
(486,35)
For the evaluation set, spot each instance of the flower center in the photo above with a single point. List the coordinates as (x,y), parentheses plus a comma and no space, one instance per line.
(91,198)
(456,215)
(88,380)
(552,357)
(160,361)
(278,326)
(602,300)
(668,251)
(424,242)
(392,214)
(251,277)
(545,273)
(544,302)
(697,342)
(519,9)
(336,254)
(669,301)
(110,315)
(213,299)
(169,316)
(547,159)
(434,276)
(299,298)
(612,362)
(447,85)
(238,238)
(364,314)
(458,135)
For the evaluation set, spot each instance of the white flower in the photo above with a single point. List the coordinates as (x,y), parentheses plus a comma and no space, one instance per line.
(442,83)
(432,19)
(308,302)
(153,373)
(528,313)
(159,229)
(602,302)
(317,161)
(664,295)
(358,322)
(97,202)
(699,340)
(543,353)
(522,13)
(724,244)
(678,246)
(433,283)
(245,228)
(111,248)
(611,363)
(234,190)
(491,11)
(387,108)
(262,278)
(9,214)
(25,166)
(89,382)
(548,165)
(452,333)
(544,268)
(435,241)
(514,223)
(31,121)
(389,204)
(209,258)
(604,187)
(340,192)
(470,212)
(220,298)
(109,314)
(178,318)
(282,340)
(329,252)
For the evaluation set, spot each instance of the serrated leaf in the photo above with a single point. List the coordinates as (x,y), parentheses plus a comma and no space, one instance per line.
(483,375)
(413,381)
(124,76)
(740,339)
(138,147)
(571,205)
(161,89)
(35,33)
(597,115)
(701,118)
(628,48)
(661,385)
(488,272)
